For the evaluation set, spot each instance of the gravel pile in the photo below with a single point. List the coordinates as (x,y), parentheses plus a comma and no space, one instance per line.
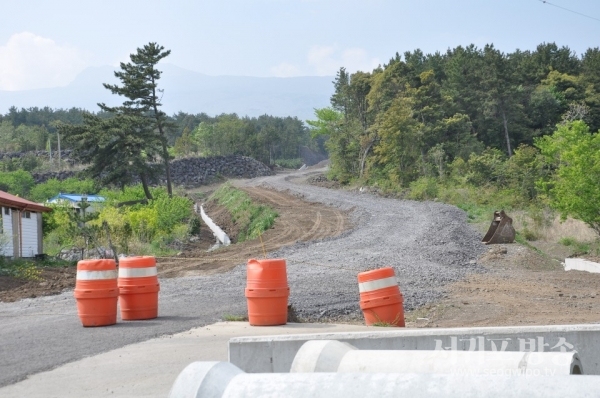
(428,244)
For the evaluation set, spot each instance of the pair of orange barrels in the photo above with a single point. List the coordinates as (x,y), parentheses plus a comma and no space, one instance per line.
(267,292)
(98,287)
(380,297)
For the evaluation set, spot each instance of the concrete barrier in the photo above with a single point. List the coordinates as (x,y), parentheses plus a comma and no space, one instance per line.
(224,380)
(334,356)
(581,264)
(276,353)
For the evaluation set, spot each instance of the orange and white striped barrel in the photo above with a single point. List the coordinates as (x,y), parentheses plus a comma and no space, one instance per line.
(380,297)
(138,288)
(96,292)
(267,292)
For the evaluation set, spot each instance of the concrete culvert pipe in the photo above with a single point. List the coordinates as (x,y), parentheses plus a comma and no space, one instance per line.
(225,380)
(335,356)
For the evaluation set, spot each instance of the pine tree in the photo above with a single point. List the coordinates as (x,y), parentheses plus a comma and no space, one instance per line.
(139,80)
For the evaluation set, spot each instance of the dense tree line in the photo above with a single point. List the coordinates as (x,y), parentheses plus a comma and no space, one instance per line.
(417,114)
(265,138)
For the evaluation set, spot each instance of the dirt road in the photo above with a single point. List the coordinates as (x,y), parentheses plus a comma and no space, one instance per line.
(327,236)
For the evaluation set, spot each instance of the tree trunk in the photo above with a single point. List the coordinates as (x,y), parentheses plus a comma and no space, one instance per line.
(144,180)
(506,133)
(167,166)
(163,139)
(364,157)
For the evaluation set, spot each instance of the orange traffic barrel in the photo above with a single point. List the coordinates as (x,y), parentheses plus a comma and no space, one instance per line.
(380,297)
(267,292)
(138,288)
(96,292)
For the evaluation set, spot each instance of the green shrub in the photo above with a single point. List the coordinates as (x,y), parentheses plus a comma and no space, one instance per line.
(44,191)
(289,163)
(20,268)
(425,188)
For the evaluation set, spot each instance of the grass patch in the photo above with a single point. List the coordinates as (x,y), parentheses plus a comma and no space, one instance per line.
(253,219)
(235,318)
(20,268)
(577,246)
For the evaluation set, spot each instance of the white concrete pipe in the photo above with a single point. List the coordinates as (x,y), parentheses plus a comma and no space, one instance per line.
(225,380)
(335,356)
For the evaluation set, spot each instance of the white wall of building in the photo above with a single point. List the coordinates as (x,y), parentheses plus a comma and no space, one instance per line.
(29,245)
(6,240)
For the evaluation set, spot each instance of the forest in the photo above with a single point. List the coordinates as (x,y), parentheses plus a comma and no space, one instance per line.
(474,127)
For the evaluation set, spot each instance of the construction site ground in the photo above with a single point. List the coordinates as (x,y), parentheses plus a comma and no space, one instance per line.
(521,285)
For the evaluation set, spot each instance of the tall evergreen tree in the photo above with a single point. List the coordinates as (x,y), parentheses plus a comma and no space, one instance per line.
(139,80)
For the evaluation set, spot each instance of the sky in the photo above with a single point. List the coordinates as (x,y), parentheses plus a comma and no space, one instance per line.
(46,43)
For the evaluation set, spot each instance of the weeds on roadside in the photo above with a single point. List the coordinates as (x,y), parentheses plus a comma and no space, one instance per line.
(577,246)
(235,318)
(21,269)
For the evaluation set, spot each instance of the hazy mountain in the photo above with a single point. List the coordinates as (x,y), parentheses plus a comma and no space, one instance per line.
(190,92)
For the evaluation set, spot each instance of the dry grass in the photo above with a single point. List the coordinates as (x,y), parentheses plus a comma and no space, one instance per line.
(550,228)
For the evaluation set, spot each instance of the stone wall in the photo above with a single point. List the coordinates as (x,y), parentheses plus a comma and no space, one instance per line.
(193,172)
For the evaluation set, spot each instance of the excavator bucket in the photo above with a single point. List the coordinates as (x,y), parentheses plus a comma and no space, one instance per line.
(501,230)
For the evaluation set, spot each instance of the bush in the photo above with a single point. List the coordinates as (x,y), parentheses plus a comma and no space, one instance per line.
(425,188)
(289,163)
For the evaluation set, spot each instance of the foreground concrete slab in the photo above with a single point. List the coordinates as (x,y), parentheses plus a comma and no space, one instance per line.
(149,369)
(275,354)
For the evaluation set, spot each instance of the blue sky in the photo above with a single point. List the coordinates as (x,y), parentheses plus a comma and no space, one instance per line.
(47,43)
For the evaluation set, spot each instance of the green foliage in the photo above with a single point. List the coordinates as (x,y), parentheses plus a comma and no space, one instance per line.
(253,219)
(20,268)
(264,138)
(573,189)
(578,247)
(235,318)
(19,182)
(171,211)
(194,225)
(289,163)
(46,190)
(425,188)
(487,168)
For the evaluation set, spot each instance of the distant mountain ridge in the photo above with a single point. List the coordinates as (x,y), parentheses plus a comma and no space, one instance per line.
(189,92)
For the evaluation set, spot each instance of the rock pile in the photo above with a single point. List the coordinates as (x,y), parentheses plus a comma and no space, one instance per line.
(193,172)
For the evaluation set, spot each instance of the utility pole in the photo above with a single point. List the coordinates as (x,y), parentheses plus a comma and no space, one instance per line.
(58,135)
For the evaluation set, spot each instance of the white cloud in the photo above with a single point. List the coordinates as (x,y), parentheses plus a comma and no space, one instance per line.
(327,60)
(28,61)
(285,70)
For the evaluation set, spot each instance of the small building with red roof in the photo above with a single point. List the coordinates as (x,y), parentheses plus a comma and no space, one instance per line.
(20,226)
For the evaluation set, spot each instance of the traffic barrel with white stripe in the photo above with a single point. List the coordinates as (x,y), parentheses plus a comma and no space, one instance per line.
(96,292)
(138,288)
(267,292)
(380,297)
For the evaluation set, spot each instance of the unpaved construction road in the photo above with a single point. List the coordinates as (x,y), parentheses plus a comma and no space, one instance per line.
(331,235)
(327,237)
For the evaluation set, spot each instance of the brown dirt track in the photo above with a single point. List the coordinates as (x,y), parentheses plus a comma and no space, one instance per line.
(298,221)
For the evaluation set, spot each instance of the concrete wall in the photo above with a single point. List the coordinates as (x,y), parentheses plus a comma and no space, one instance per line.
(276,353)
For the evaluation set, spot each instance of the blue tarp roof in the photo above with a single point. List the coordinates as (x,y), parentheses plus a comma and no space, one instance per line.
(77,197)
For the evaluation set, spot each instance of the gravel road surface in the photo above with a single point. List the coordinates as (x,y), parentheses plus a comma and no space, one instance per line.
(429,244)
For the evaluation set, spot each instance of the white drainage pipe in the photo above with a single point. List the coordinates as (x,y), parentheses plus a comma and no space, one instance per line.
(225,380)
(335,356)
(216,230)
